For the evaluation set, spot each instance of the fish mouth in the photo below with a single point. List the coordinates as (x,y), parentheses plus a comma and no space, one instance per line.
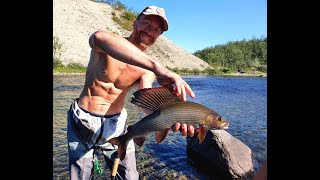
(225,125)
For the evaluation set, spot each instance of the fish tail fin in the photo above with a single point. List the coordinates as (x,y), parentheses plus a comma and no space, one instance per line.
(122,143)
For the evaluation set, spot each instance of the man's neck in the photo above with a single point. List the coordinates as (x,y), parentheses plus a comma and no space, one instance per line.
(131,39)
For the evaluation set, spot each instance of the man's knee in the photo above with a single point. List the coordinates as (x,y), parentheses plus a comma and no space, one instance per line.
(131,167)
(81,169)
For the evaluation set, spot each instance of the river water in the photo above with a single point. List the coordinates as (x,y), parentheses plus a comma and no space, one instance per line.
(241,100)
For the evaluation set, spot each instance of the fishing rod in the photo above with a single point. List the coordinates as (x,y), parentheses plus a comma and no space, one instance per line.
(115,168)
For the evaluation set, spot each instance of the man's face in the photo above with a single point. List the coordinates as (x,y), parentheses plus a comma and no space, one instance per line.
(147,29)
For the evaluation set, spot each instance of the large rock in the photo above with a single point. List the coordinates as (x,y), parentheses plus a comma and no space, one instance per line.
(221,155)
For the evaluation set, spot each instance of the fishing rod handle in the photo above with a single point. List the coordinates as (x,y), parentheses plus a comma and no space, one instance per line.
(115,167)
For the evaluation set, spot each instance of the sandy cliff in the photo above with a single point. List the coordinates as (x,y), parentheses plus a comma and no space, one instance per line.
(75,20)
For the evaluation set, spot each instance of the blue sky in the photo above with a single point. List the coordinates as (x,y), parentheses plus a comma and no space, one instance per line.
(197,24)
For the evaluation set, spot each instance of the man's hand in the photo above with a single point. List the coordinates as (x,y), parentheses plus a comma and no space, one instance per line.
(184,129)
(160,136)
(181,86)
(168,78)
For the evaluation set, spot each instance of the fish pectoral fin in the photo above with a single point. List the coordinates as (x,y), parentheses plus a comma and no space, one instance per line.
(201,133)
(160,136)
(122,148)
(115,141)
(139,141)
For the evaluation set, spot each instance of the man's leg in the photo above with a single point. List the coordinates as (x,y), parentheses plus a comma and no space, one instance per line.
(80,159)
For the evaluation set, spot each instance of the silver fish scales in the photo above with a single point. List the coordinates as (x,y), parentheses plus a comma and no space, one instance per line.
(167,110)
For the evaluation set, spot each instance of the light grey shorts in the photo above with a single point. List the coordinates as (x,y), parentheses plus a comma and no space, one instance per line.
(89,132)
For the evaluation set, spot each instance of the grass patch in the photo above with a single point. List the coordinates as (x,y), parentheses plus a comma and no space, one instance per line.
(70,68)
(58,47)
(124,17)
(58,66)
(186,71)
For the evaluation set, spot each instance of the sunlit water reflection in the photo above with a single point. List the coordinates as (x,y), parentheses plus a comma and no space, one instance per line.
(241,100)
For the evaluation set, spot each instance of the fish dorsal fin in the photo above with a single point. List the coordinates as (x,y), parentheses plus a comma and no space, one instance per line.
(154,98)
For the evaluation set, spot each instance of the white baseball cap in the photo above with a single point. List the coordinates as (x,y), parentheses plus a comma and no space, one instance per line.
(154,10)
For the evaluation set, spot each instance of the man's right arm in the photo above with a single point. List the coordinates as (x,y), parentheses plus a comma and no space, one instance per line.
(122,50)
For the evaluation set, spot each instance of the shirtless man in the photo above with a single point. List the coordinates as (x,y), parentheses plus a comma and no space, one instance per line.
(116,65)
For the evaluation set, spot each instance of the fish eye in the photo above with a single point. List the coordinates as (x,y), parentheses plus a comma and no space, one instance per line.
(219,118)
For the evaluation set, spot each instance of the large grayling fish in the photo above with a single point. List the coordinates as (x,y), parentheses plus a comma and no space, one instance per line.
(167,110)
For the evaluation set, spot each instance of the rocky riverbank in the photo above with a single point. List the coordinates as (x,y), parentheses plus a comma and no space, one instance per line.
(260,74)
